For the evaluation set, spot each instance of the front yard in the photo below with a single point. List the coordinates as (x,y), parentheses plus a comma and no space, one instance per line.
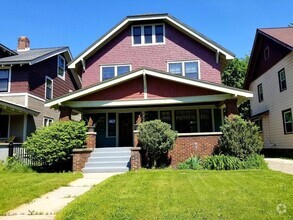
(19,188)
(181,194)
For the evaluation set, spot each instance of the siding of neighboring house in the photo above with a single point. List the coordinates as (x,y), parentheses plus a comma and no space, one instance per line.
(274,101)
(177,47)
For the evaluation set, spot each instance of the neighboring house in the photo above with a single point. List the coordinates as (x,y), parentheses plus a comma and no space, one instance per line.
(29,77)
(153,67)
(270,78)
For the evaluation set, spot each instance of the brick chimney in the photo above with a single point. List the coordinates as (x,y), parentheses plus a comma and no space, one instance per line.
(23,44)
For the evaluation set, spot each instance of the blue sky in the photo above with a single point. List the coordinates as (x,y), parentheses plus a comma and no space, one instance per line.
(78,23)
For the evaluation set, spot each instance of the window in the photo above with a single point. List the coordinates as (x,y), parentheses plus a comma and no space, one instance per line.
(185,121)
(109,72)
(166,116)
(47,121)
(260,92)
(188,69)
(148,34)
(258,122)
(4,80)
(282,80)
(266,53)
(287,121)
(217,119)
(4,126)
(205,120)
(61,67)
(49,88)
(150,115)
(111,124)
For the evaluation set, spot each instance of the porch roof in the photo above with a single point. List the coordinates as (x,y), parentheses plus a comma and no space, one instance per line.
(12,108)
(224,92)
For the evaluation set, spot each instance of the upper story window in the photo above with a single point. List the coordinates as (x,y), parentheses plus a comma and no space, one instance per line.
(260,92)
(108,72)
(148,34)
(189,69)
(266,53)
(4,80)
(61,67)
(48,88)
(287,121)
(282,80)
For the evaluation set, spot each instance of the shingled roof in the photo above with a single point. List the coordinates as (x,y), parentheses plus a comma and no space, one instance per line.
(283,35)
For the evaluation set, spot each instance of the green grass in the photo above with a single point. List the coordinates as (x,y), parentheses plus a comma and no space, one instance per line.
(19,188)
(181,194)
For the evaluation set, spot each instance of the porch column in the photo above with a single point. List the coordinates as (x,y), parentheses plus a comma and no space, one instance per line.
(231,107)
(65,113)
(91,139)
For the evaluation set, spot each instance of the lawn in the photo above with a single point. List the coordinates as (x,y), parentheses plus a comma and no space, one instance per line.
(179,194)
(19,188)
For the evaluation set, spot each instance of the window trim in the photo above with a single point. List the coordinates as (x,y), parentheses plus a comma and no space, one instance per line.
(183,66)
(51,120)
(284,124)
(260,98)
(142,36)
(9,78)
(49,78)
(266,53)
(115,69)
(280,82)
(64,71)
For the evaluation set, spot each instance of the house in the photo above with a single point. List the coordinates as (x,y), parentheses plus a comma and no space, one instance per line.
(270,78)
(153,67)
(29,77)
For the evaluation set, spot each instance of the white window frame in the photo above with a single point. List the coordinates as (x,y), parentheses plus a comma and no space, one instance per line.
(284,120)
(49,78)
(47,121)
(260,94)
(9,78)
(280,81)
(115,69)
(64,70)
(153,35)
(183,66)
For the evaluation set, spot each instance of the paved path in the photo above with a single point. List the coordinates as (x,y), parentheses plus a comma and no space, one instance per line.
(285,166)
(45,207)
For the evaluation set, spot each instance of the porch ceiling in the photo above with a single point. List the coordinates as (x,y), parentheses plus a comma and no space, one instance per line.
(8,108)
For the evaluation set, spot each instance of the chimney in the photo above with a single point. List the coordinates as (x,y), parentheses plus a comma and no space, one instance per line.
(23,44)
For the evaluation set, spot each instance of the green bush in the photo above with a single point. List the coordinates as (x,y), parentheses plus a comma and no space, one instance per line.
(222,162)
(192,163)
(13,165)
(255,161)
(240,138)
(53,144)
(156,139)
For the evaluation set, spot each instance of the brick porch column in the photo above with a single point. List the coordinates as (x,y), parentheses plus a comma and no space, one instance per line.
(231,107)
(135,160)
(80,157)
(65,113)
(91,137)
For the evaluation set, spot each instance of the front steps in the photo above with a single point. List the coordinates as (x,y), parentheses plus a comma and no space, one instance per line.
(108,160)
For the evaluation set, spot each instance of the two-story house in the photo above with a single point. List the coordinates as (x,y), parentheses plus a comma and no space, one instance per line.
(29,77)
(270,78)
(154,67)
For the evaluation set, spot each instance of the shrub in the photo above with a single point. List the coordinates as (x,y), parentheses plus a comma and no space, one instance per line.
(255,161)
(156,138)
(222,162)
(240,138)
(13,165)
(53,144)
(193,163)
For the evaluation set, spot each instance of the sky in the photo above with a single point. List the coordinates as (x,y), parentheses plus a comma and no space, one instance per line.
(78,23)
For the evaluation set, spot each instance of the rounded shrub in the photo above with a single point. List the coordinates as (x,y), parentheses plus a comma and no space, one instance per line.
(156,139)
(240,138)
(53,145)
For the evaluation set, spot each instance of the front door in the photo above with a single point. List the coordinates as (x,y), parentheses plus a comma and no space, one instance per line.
(125,130)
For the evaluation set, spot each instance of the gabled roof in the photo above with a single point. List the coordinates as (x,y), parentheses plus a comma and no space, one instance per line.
(151,72)
(282,35)
(149,17)
(6,49)
(33,56)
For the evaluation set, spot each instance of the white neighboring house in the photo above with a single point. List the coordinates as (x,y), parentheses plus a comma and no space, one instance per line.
(270,78)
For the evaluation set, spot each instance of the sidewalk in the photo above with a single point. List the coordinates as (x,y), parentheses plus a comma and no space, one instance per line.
(282,165)
(45,207)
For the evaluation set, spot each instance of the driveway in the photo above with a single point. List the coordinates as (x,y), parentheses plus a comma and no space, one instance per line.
(282,165)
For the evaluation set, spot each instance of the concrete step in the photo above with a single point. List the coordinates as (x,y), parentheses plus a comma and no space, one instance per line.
(105,169)
(108,158)
(112,149)
(107,164)
(108,154)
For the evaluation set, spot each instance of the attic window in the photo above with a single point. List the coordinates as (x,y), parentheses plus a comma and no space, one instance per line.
(148,34)
(266,53)
(61,67)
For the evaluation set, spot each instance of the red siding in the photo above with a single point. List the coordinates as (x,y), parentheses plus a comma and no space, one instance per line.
(177,47)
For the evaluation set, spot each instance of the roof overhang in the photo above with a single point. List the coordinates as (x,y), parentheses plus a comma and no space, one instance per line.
(169,19)
(228,92)
(16,109)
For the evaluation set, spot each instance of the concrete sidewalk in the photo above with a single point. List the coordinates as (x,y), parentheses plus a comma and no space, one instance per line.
(282,165)
(45,207)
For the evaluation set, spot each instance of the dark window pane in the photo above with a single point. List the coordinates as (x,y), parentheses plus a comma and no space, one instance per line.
(282,80)
(148,34)
(137,35)
(205,117)
(4,126)
(191,70)
(260,93)
(4,78)
(48,89)
(159,33)
(166,116)
(150,115)
(111,124)
(108,73)
(185,121)
(175,68)
(258,123)
(122,70)
(217,119)
(61,66)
